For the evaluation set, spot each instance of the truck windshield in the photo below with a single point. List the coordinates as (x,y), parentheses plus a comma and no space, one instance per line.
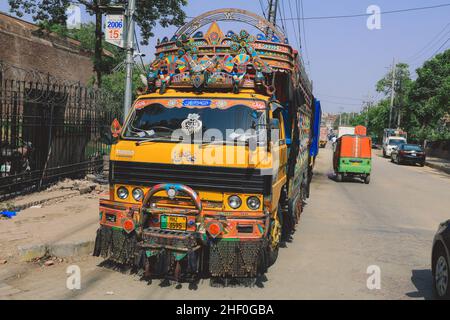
(396,142)
(163,123)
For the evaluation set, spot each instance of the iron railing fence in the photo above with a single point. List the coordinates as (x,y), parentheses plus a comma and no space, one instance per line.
(49,129)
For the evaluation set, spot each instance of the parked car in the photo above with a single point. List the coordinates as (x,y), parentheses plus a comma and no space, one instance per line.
(440,258)
(408,153)
(390,143)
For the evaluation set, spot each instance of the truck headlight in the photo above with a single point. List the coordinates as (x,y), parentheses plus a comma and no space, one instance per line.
(138,194)
(122,193)
(253,203)
(234,202)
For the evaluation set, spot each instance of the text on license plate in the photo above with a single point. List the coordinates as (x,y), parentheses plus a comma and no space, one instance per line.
(173,222)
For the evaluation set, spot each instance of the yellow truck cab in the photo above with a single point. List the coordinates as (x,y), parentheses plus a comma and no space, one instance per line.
(209,171)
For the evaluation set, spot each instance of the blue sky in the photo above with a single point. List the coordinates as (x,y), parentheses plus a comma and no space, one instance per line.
(345,58)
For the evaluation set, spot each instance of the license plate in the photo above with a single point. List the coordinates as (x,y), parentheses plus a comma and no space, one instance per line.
(173,222)
(413,154)
(355,163)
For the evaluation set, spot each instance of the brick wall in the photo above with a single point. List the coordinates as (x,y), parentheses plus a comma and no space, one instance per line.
(21,45)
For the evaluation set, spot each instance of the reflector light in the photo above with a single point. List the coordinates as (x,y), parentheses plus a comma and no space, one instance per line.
(128,225)
(214,229)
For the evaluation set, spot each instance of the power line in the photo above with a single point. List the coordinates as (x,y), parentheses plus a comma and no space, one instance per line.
(341,103)
(294,27)
(428,45)
(139,50)
(369,14)
(282,14)
(262,9)
(417,64)
(440,48)
(340,97)
(297,8)
(304,35)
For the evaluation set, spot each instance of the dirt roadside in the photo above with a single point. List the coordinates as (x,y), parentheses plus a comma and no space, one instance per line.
(64,214)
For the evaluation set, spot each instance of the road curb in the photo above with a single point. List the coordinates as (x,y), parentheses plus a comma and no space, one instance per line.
(71,249)
(32,251)
(438,167)
(39,202)
(61,250)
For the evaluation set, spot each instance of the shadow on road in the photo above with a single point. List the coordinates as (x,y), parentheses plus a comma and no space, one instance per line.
(422,280)
(349,179)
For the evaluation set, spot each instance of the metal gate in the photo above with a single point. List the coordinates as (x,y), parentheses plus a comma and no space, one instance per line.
(50,129)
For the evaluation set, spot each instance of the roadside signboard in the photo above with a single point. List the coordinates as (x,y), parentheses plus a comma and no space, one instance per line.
(115,29)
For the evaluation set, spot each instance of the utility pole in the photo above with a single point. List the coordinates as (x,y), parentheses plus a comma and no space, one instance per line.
(392,93)
(367,108)
(129,60)
(272,16)
(399,115)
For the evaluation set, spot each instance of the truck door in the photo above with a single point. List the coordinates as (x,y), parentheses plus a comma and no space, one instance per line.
(279,150)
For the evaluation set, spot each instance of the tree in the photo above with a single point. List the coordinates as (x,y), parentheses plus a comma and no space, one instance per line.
(113,90)
(374,118)
(401,85)
(86,36)
(148,13)
(429,99)
(425,102)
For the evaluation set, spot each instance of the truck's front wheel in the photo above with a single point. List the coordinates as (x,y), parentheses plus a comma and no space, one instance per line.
(275,237)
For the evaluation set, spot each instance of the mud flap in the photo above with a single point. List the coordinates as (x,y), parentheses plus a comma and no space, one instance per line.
(237,259)
(169,264)
(115,245)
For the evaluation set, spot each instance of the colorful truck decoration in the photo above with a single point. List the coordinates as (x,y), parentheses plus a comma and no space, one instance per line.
(212,166)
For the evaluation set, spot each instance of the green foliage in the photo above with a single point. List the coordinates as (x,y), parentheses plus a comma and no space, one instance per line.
(148,12)
(402,84)
(52,13)
(113,89)
(375,119)
(86,35)
(424,103)
(429,100)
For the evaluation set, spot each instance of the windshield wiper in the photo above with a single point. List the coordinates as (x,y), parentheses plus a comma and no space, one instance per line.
(160,138)
(207,143)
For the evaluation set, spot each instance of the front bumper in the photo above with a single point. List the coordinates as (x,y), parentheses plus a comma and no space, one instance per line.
(412,159)
(237,251)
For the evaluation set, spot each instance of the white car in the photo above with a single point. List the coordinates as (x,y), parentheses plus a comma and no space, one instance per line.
(390,144)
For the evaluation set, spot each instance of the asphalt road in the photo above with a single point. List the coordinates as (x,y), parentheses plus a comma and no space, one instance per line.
(345,228)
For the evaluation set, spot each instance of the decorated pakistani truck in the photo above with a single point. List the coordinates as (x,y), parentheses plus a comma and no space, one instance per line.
(211,167)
